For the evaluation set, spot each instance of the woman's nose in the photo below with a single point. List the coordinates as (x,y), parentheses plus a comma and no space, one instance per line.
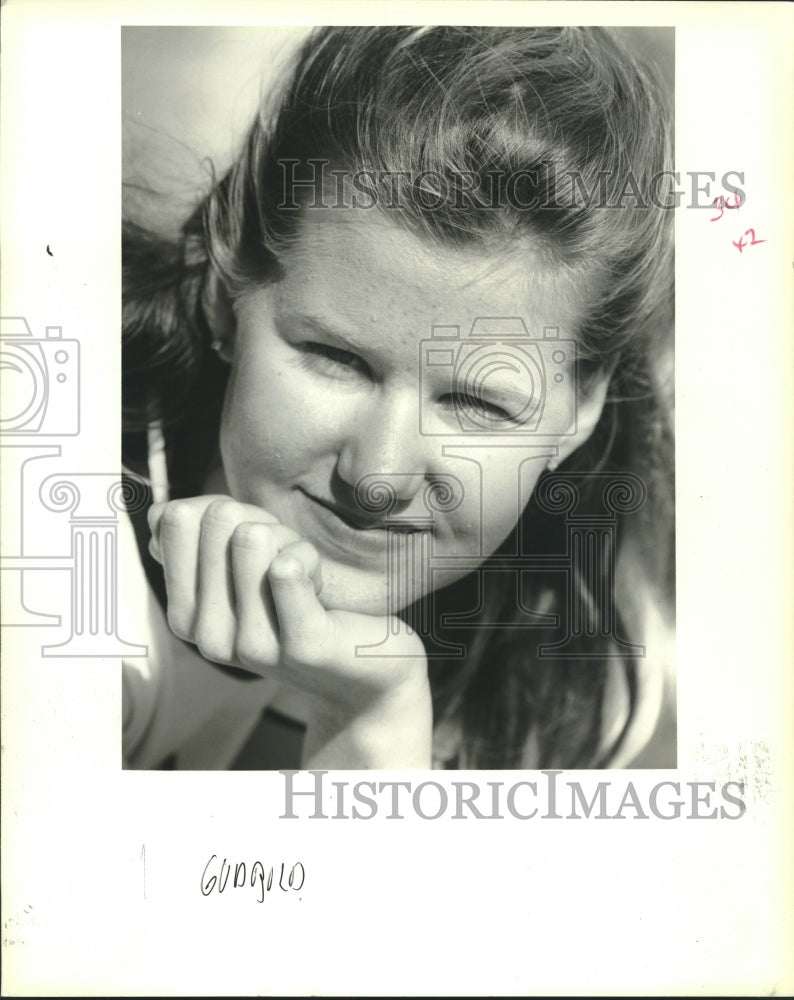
(384,442)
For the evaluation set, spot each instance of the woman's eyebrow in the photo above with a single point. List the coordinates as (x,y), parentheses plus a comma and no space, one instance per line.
(315,325)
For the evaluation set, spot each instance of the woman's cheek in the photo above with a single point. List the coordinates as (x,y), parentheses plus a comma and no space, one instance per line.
(276,425)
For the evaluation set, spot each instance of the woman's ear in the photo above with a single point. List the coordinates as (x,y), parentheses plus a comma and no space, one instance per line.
(590,406)
(219,314)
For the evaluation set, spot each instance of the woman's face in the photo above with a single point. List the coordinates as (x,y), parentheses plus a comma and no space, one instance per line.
(335,388)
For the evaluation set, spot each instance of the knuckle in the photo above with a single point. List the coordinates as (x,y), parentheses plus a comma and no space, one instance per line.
(222,512)
(212,645)
(287,566)
(306,554)
(176,515)
(250,535)
(180,622)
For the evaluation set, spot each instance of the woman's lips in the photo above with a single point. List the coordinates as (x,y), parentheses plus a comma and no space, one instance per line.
(360,522)
(349,533)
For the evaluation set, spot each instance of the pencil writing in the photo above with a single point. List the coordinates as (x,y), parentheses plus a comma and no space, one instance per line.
(216,877)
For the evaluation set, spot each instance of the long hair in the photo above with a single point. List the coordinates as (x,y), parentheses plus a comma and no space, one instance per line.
(464,136)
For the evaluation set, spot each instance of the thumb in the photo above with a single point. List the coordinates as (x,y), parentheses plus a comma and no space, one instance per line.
(294,577)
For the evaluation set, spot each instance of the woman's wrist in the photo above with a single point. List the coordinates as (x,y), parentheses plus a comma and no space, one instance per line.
(394,731)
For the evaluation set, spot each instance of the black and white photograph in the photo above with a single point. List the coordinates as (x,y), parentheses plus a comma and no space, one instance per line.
(405,376)
(396,476)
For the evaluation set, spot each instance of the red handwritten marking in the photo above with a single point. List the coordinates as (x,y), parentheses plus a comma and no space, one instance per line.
(722,204)
(753,241)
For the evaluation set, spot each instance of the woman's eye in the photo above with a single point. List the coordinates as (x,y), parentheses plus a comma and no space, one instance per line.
(482,407)
(333,358)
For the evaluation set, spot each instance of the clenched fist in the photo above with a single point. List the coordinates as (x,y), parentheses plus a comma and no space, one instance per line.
(244,588)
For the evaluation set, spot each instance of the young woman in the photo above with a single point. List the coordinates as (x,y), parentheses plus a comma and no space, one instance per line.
(409,364)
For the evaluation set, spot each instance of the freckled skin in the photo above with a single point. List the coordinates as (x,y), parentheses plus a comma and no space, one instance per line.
(300,423)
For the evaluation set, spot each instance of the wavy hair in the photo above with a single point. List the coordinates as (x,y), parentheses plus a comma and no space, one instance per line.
(563,136)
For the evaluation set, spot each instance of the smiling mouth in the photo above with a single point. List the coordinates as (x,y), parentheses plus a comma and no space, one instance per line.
(351,538)
(358,522)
